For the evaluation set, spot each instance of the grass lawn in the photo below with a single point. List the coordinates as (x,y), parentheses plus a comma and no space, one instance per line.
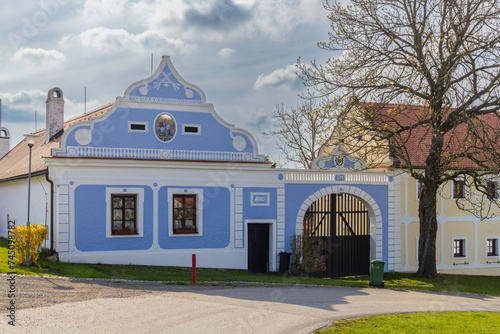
(426,322)
(489,285)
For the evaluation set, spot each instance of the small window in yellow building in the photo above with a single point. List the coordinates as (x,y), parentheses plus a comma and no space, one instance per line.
(458,189)
(458,247)
(492,247)
(491,190)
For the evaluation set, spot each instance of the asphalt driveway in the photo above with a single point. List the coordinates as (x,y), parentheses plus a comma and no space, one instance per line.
(275,309)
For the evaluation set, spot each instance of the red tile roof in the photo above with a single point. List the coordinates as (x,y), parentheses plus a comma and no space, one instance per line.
(412,146)
(15,163)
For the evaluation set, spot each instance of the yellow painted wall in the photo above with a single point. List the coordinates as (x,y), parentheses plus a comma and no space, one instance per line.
(413,234)
(458,229)
(413,201)
(484,229)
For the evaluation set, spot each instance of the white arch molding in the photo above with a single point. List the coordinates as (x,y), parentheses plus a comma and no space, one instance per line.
(371,205)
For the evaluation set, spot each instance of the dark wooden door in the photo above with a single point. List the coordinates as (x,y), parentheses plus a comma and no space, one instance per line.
(258,248)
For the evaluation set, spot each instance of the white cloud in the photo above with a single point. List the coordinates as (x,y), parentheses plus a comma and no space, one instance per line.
(37,57)
(226,53)
(105,40)
(206,19)
(283,77)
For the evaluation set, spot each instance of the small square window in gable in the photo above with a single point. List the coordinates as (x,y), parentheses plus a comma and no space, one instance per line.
(138,127)
(191,129)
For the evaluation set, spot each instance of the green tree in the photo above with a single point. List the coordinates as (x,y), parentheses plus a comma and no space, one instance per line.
(443,55)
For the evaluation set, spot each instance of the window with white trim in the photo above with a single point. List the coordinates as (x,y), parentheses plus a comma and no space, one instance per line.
(124,212)
(491,246)
(459,248)
(185,212)
(458,189)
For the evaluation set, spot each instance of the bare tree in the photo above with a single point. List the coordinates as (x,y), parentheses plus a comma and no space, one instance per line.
(301,131)
(442,55)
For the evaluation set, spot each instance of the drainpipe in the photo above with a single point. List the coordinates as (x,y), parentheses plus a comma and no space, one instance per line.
(51,210)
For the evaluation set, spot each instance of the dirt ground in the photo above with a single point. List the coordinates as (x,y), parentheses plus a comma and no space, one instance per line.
(39,291)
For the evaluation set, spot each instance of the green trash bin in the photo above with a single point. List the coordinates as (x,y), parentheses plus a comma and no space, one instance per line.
(377,273)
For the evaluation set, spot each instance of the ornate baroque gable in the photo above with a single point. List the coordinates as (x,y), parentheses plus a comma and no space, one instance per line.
(163,117)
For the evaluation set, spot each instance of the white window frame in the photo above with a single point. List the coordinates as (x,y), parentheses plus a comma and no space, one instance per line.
(417,182)
(453,190)
(146,130)
(139,192)
(453,248)
(486,247)
(191,133)
(199,211)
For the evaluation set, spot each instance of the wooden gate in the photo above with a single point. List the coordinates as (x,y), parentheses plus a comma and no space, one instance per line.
(342,223)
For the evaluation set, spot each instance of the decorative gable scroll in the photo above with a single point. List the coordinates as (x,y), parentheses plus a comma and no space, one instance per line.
(340,160)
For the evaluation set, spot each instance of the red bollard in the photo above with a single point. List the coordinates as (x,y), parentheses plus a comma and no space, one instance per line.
(194,268)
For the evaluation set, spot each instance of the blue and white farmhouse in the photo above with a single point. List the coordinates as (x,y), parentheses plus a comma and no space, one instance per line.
(158,176)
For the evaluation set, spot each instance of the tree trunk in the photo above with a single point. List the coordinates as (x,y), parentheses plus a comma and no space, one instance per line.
(428,232)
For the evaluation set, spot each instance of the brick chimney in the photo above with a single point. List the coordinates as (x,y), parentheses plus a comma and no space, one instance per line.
(4,137)
(55,113)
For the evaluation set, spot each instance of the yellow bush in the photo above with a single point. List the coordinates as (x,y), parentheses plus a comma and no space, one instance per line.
(35,234)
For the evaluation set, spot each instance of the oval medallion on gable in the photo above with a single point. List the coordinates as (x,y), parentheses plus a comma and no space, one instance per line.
(165,127)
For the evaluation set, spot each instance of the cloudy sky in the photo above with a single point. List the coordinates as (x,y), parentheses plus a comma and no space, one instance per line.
(241,53)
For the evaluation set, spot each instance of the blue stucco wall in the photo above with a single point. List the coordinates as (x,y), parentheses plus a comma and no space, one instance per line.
(259,212)
(113,132)
(90,221)
(216,220)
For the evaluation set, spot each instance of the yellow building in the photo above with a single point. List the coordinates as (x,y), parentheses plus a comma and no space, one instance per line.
(467,242)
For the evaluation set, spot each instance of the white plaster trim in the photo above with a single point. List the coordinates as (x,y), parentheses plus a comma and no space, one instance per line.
(199,211)
(139,214)
(273,253)
(267,195)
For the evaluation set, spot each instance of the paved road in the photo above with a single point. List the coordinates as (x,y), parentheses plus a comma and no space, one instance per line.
(292,309)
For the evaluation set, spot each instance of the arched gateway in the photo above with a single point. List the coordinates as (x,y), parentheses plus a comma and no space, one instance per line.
(345,219)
